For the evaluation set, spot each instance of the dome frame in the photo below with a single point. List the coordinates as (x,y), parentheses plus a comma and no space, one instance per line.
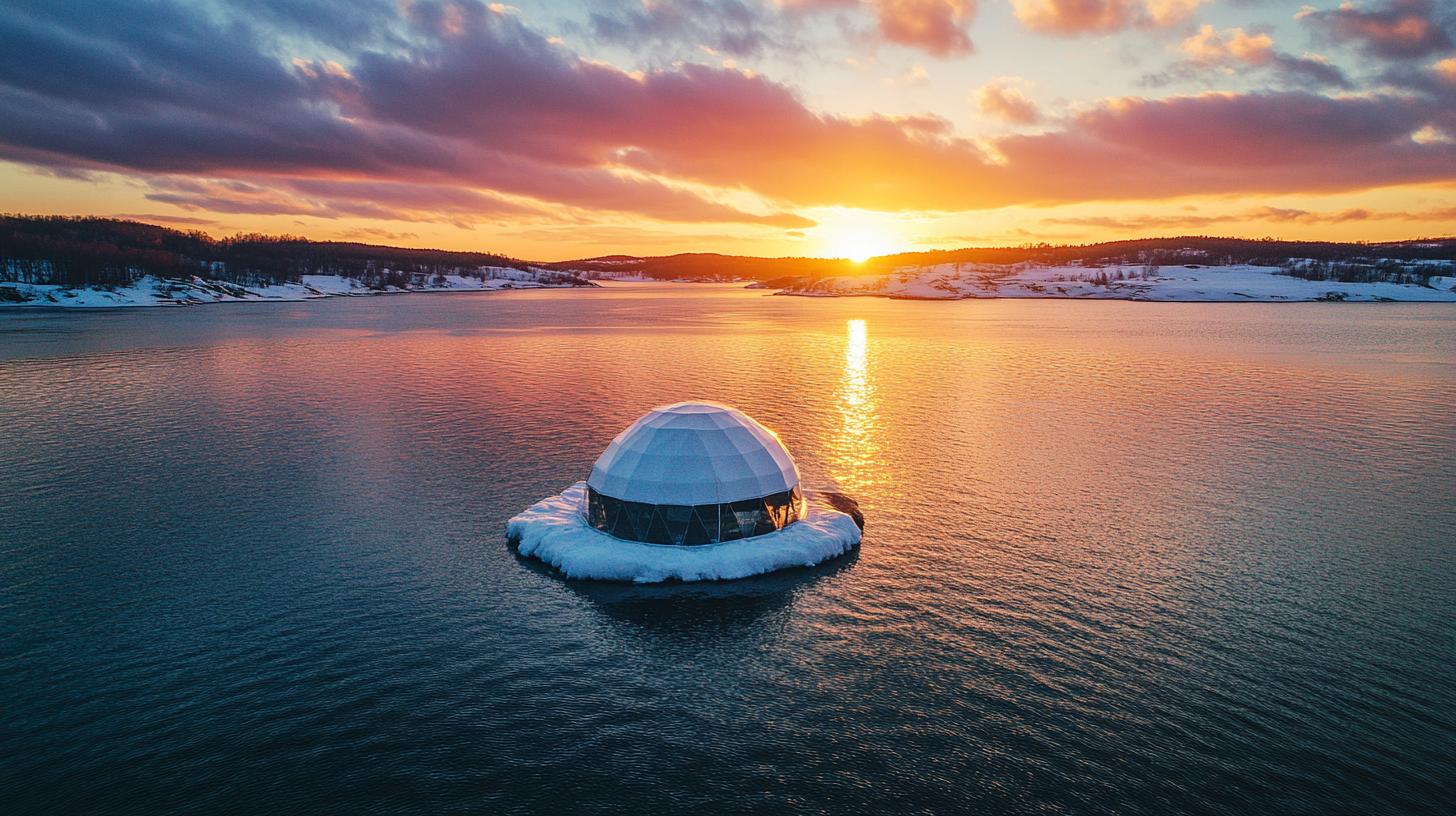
(693,473)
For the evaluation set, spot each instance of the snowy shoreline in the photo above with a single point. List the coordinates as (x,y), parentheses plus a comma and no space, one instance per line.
(1193,283)
(1163,284)
(151,291)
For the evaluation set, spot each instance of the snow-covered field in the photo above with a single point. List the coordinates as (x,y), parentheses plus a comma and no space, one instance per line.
(1238,283)
(638,277)
(621,277)
(1130,282)
(555,531)
(151,291)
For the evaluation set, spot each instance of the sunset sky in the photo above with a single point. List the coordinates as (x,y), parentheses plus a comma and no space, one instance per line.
(554,130)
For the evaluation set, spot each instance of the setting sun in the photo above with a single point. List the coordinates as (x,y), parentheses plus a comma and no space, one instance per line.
(858,235)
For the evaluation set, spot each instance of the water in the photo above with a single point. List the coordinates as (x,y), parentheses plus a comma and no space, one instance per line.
(1133,558)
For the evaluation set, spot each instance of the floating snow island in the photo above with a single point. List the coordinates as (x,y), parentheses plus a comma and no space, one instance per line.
(690,492)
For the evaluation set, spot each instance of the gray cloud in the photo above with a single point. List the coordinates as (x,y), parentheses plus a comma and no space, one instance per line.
(729,26)
(1399,30)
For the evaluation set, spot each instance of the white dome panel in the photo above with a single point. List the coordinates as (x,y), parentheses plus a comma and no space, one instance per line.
(694,453)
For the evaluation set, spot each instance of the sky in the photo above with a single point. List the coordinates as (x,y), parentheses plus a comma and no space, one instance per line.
(838,128)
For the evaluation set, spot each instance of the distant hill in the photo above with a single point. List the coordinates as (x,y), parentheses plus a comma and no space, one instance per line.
(82,251)
(1164,251)
(706,266)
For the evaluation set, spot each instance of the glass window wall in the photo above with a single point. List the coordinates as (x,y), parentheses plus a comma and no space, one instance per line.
(692,525)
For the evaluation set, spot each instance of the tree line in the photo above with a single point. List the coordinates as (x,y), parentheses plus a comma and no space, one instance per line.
(1384,270)
(1197,250)
(85,251)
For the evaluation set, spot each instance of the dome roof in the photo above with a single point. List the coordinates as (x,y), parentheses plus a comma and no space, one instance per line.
(694,453)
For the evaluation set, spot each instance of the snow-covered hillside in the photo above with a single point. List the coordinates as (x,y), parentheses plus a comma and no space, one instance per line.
(639,277)
(1160,283)
(153,291)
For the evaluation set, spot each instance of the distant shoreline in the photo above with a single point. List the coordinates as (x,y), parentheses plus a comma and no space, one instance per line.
(1204,285)
(95,262)
(150,292)
(1113,299)
(1188,283)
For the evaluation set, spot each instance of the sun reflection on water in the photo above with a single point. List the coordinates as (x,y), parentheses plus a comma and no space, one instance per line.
(856,446)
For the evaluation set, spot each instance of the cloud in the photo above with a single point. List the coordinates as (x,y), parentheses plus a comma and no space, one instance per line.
(1436,82)
(1400,30)
(1283,215)
(1274,130)
(611,238)
(937,27)
(814,5)
(338,23)
(1004,100)
(406,201)
(727,26)
(248,198)
(743,29)
(1167,13)
(1234,49)
(1208,46)
(78,93)
(1445,70)
(161,218)
(1215,143)
(1430,134)
(1124,148)
(470,114)
(378,234)
(403,201)
(1070,18)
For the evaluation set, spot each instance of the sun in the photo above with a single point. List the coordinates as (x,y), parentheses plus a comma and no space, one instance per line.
(858,235)
(860,248)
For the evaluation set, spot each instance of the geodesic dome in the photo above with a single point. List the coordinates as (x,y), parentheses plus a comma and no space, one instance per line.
(693,473)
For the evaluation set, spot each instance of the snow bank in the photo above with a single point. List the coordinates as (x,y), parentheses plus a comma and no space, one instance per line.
(1195,283)
(152,291)
(554,531)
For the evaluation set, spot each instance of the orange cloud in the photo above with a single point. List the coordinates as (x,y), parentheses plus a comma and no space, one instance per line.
(1209,46)
(1076,17)
(1235,48)
(1285,215)
(935,26)
(1446,70)
(1003,100)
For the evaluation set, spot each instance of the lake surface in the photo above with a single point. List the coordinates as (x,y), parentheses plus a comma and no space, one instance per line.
(1120,557)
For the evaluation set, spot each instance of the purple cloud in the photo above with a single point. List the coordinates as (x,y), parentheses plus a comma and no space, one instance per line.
(1400,30)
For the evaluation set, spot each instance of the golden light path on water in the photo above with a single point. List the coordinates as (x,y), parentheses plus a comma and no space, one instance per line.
(855,448)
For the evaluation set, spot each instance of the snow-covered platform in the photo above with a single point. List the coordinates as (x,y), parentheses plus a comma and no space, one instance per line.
(555,531)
